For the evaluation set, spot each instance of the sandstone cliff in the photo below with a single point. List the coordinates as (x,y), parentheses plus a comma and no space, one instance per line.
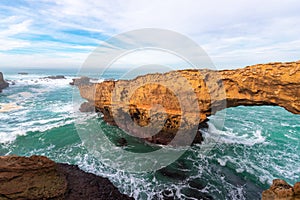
(37,177)
(3,83)
(157,106)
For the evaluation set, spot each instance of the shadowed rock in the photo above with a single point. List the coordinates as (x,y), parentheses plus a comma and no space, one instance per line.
(131,104)
(84,80)
(3,83)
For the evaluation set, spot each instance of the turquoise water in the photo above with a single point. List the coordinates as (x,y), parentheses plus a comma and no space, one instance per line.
(255,145)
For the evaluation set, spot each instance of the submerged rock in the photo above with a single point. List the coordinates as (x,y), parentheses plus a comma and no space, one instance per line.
(3,83)
(37,177)
(280,190)
(122,142)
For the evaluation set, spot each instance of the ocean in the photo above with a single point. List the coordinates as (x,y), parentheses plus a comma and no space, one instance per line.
(236,161)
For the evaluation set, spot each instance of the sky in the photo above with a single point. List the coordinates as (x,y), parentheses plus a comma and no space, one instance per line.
(62,33)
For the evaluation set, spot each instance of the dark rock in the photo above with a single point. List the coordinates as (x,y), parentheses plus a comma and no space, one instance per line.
(23,73)
(80,81)
(37,177)
(87,107)
(3,83)
(82,185)
(56,77)
(122,142)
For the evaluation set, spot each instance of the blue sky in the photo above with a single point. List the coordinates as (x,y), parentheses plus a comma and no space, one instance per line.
(62,33)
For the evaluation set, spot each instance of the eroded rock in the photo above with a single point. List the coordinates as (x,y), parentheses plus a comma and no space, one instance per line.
(37,177)
(131,104)
(280,190)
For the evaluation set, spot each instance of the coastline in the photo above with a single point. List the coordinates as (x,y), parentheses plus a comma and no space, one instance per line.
(38,177)
(31,135)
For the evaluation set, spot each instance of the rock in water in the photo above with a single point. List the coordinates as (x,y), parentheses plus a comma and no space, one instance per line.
(23,73)
(84,80)
(37,177)
(87,107)
(56,77)
(280,190)
(3,83)
(82,185)
(128,103)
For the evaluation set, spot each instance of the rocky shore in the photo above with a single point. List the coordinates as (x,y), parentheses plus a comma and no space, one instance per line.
(38,177)
(154,101)
(3,83)
(281,190)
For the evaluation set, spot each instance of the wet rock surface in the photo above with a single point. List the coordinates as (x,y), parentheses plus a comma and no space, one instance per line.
(38,177)
(82,185)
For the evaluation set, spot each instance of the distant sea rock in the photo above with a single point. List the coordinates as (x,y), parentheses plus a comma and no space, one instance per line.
(3,83)
(282,190)
(56,77)
(23,73)
(38,177)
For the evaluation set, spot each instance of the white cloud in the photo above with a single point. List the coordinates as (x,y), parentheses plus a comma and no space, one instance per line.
(234,33)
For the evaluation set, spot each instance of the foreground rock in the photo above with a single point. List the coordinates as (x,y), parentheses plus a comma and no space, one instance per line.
(133,104)
(280,190)
(3,83)
(37,177)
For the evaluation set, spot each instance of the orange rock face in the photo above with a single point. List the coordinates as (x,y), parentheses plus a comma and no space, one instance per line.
(280,190)
(159,106)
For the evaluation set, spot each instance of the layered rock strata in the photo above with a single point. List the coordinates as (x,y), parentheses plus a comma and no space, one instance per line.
(38,177)
(157,107)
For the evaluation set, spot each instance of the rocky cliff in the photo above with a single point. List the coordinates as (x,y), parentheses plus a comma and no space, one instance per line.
(3,83)
(157,106)
(37,177)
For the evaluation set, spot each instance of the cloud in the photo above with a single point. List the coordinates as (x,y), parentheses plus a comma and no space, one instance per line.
(234,33)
